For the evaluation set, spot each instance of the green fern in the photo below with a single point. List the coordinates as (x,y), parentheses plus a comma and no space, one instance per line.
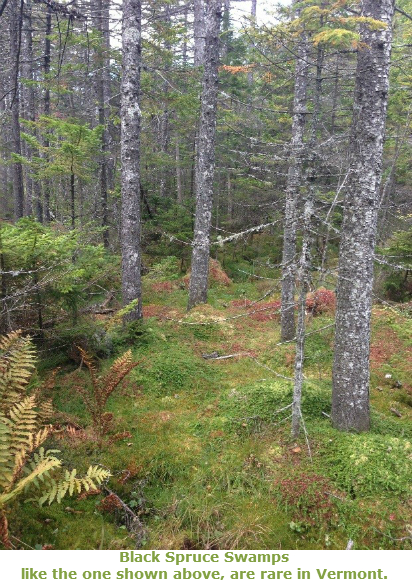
(16,367)
(25,467)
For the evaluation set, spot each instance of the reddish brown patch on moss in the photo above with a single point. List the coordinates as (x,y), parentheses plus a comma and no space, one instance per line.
(155,311)
(384,346)
(261,311)
(216,274)
(321,301)
(166,287)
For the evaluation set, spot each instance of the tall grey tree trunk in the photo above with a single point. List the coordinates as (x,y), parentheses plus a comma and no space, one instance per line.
(15,48)
(205,161)
(304,274)
(33,201)
(306,258)
(103,83)
(46,105)
(253,9)
(350,398)
(294,180)
(179,183)
(164,128)
(130,155)
(199,25)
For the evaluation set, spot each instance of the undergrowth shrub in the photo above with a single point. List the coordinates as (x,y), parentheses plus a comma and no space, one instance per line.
(369,464)
(260,402)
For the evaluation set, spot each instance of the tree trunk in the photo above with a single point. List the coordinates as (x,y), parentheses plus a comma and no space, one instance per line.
(350,399)
(253,9)
(304,273)
(179,184)
(130,156)
(46,104)
(293,185)
(205,161)
(33,202)
(103,80)
(164,129)
(306,258)
(15,47)
(199,31)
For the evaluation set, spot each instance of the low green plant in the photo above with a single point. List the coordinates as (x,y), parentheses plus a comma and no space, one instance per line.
(368,464)
(174,368)
(269,402)
(25,466)
(166,269)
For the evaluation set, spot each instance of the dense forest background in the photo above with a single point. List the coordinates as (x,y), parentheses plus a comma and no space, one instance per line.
(226,192)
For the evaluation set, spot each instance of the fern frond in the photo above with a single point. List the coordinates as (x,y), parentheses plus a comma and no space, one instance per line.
(41,468)
(57,488)
(117,372)
(34,441)
(6,456)
(4,531)
(22,422)
(16,367)
(45,411)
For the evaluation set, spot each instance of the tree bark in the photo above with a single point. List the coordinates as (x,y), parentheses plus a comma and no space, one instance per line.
(205,161)
(179,183)
(350,398)
(16,16)
(199,31)
(46,105)
(253,9)
(103,83)
(130,156)
(294,179)
(33,201)
(306,258)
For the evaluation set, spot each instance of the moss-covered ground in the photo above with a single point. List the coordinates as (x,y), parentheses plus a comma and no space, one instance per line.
(207,460)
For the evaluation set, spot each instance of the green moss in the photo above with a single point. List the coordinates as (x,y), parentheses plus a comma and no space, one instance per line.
(368,464)
(264,401)
(174,368)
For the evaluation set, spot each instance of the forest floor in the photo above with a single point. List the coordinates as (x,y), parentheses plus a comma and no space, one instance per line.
(205,458)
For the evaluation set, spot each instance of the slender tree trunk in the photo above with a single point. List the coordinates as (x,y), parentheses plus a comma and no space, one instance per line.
(306,258)
(253,9)
(179,184)
(350,398)
(229,197)
(199,31)
(72,199)
(225,29)
(34,204)
(294,180)
(184,46)
(205,161)
(102,81)
(16,16)
(46,104)
(304,273)
(130,156)
(165,117)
